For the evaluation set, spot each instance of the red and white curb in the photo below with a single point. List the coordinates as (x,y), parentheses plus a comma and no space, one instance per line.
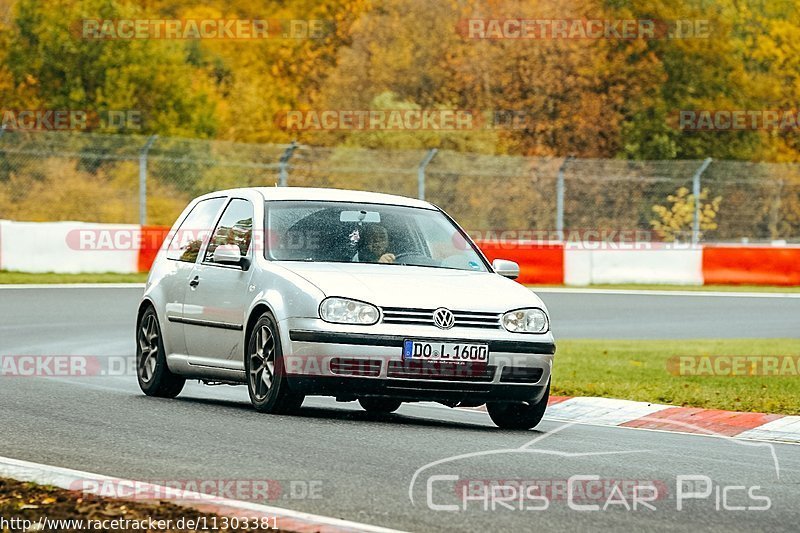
(643,415)
(285,519)
(659,417)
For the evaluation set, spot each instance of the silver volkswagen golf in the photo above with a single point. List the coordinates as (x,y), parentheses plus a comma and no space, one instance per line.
(356,295)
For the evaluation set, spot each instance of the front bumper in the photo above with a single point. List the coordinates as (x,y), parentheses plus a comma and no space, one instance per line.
(349,362)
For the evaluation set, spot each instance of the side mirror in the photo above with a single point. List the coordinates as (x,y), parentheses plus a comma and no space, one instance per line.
(230,254)
(506,268)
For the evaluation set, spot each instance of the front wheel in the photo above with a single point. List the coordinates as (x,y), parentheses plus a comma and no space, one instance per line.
(155,378)
(518,415)
(266,376)
(379,406)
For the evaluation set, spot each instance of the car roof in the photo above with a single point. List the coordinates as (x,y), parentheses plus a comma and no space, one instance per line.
(330,195)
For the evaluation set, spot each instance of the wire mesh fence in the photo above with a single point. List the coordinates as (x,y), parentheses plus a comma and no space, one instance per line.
(48,176)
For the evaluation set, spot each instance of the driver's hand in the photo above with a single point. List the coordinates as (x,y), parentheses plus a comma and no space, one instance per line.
(386,258)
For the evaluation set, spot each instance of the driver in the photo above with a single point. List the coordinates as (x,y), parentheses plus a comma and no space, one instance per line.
(374,245)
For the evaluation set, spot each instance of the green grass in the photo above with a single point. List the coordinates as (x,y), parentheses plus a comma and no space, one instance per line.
(49,277)
(637,370)
(655,287)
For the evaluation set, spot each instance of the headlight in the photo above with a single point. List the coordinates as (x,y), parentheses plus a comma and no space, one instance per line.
(344,311)
(526,321)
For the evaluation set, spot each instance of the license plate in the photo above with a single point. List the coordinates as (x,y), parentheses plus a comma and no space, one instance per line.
(445,351)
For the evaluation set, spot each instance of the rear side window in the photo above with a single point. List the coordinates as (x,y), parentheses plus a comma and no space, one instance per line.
(235,227)
(194,231)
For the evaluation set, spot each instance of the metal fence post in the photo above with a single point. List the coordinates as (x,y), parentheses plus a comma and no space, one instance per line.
(283,172)
(2,131)
(421,172)
(696,193)
(143,179)
(775,211)
(560,198)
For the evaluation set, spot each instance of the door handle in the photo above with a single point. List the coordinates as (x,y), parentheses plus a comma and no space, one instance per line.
(195,281)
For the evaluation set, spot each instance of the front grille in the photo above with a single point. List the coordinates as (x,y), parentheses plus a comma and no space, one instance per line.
(440,370)
(516,374)
(436,387)
(355,367)
(424,317)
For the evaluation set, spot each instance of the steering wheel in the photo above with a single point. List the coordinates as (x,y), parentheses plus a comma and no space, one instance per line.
(404,254)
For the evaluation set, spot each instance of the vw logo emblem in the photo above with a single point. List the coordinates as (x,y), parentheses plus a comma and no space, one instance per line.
(443,318)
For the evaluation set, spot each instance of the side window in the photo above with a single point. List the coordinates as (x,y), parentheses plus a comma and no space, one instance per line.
(194,231)
(235,227)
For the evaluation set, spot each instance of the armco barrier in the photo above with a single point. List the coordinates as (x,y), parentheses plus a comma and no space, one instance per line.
(538,263)
(152,239)
(751,265)
(586,266)
(3,225)
(553,264)
(57,247)
(74,247)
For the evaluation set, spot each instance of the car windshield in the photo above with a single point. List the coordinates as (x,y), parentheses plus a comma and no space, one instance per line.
(344,232)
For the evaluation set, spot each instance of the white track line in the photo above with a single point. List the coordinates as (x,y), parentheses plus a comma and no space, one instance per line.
(645,292)
(68,479)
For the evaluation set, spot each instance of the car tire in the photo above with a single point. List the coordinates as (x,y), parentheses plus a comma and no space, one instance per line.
(379,406)
(152,372)
(518,415)
(264,355)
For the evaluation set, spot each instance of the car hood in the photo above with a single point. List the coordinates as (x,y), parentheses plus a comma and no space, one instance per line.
(418,287)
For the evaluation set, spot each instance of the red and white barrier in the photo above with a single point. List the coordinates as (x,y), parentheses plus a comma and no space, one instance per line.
(538,263)
(72,247)
(751,265)
(659,265)
(57,247)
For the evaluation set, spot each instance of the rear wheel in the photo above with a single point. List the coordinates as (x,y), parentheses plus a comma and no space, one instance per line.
(518,415)
(382,406)
(266,377)
(155,378)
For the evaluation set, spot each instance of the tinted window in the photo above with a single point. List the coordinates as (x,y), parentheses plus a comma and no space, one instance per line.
(235,227)
(194,231)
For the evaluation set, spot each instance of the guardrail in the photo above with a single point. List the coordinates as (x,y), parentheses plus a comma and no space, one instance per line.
(77,247)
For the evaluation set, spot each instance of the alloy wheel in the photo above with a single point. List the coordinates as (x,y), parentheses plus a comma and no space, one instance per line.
(262,363)
(148,348)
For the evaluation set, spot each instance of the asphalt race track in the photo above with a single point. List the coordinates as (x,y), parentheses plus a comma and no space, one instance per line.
(671,315)
(367,469)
